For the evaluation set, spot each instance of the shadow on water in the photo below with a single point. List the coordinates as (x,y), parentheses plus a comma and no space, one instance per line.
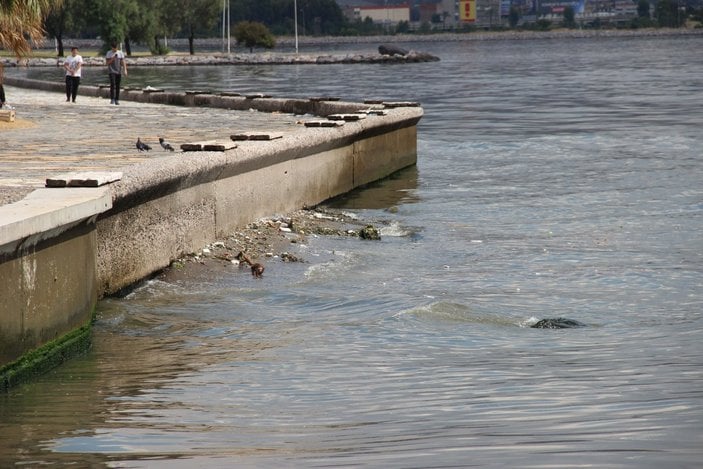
(136,355)
(399,188)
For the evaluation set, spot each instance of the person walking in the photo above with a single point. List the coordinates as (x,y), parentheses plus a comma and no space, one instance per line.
(73,65)
(114,59)
(2,89)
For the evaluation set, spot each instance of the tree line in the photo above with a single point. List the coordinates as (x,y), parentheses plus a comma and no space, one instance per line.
(145,22)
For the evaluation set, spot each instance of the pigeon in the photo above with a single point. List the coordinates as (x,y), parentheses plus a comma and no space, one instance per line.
(165,145)
(141,146)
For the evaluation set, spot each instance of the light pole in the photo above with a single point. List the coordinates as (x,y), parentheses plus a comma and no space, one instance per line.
(226,24)
(295,20)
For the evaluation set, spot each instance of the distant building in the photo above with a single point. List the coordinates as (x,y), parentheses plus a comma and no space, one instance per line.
(448,14)
(442,14)
(389,15)
(557,7)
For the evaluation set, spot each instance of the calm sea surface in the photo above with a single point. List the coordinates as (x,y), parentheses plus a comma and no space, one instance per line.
(554,178)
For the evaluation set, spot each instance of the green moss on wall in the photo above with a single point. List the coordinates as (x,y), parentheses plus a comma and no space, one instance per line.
(46,357)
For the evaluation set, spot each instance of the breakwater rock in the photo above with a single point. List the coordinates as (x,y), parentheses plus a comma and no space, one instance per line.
(239,59)
(557,323)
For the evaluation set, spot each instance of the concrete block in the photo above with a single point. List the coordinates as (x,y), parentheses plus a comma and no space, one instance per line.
(318,99)
(375,112)
(7,115)
(346,117)
(210,145)
(85,179)
(324,123)
(46,210)
(395,104)
(255,136)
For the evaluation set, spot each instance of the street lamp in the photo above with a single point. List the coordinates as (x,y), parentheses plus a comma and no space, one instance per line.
(225,24)
(295,20)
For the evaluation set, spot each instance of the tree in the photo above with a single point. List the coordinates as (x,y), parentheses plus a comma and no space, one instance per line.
(198,15)
(513,16)
(252,34)
(67,18)
(569,17)
(138,21)
(21,21)
(113,18)
(145,25)
(543,24)
(318,16)
(425,28)
(643,9)
(325,15)
(403,27)
(668,14)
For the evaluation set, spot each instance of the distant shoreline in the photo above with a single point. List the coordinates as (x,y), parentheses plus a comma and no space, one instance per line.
(207,52)
(496,36)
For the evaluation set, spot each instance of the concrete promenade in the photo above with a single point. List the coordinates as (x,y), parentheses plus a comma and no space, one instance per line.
(63,248)
(51,136)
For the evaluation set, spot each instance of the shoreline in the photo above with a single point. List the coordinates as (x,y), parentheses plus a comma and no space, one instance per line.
(67,245)
(207,50)
(270,239)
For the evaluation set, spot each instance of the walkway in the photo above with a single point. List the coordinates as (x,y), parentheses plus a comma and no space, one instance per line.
(51,137)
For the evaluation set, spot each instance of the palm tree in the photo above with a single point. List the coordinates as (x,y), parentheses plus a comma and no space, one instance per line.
(21,21)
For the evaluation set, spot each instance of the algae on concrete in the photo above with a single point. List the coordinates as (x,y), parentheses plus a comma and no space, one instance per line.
(48,356)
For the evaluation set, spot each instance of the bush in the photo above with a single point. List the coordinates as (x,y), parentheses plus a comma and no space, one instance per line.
(543,25)
(252,34)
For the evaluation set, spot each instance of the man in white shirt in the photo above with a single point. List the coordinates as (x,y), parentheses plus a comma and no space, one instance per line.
(73,65)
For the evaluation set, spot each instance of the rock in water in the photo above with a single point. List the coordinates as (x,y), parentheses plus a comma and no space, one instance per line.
(557,323)
(386,49)
(369,232)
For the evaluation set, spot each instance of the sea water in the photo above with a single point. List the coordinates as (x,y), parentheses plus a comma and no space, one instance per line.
(555,178)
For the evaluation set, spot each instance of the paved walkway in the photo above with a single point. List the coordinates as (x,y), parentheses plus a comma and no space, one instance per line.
(51,137)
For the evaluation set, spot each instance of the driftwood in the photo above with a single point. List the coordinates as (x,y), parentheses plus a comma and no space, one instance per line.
(257,269)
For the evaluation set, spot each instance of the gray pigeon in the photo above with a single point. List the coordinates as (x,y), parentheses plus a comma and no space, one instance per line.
(165,145)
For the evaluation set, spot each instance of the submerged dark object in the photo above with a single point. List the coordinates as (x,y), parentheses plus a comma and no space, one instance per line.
(369,232)
(557,323)
(386,49)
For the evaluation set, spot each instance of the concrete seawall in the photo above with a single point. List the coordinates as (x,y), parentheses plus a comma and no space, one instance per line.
(182,205)
(63,248)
